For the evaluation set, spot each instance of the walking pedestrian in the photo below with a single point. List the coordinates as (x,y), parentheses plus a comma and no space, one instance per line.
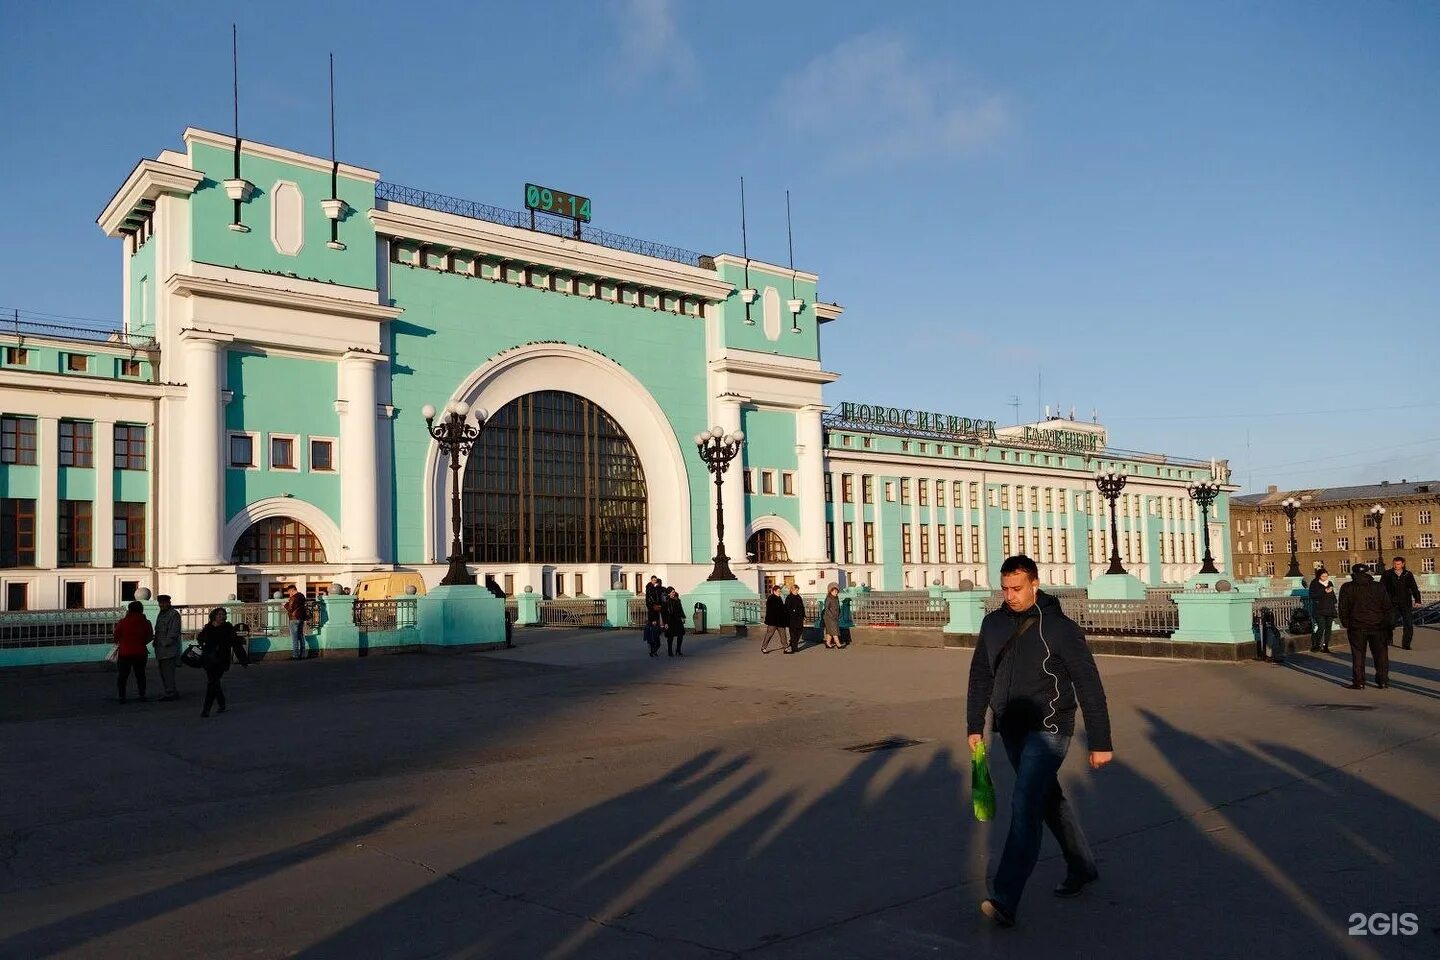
(218,641)
(1323,602)
(1404,595)
(654,599)
(297,610)
(167,645)
(132,635)
(1365,613)
(775,619)
(673,613)
(795,615)
(1031,666)
(830,617)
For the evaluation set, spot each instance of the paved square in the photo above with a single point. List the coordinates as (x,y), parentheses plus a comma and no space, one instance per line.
(575,798)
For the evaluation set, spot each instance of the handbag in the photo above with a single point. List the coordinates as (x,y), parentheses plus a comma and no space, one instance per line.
(193,657)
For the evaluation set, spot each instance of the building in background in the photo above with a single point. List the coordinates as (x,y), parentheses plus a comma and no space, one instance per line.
(1335,528)
(258,421)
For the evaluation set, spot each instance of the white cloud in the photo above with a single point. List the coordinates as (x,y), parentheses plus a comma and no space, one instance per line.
(870,101)
(651,45)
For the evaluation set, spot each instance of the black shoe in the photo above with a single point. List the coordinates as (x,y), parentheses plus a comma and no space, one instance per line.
(1356,686)
(1071,886)
(997,913)
(1382,685)
(787,650)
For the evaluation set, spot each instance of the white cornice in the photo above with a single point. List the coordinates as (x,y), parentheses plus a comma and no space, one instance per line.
(185,285)
(729,259)
(784,371)
(561,253)
(194,135)
(827,312)
(274,281)
(147,181)
(76,384)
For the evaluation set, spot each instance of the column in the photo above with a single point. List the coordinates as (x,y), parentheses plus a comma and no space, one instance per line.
(810,453)
(102,513)
(359,461)
(47,504)
(728,409)
(1046,534)
(204,452)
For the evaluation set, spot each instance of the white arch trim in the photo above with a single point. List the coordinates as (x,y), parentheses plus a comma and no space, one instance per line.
(780,525)
(307,513)
(602,381)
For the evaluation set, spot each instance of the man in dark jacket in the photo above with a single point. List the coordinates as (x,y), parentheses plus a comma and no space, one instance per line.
(1322,604)
(1365,614)
(654,599)
(775,619)
(795,617)
(1030,667)
(1404,593)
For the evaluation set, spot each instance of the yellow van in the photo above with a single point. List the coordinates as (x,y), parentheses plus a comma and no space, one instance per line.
(389,586)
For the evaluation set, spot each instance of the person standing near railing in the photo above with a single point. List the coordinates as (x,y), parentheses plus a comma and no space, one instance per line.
(167,645)
(830,617)
(1404,593)
(1323,602)
(295,610)
(132,635)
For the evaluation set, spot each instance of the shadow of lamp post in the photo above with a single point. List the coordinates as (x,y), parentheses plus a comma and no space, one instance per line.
(455,434)
(1204,493)
(1110,484)
(717,449)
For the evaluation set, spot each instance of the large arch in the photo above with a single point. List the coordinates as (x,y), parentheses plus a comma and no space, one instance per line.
(312,516)
(602,381)
(780,525)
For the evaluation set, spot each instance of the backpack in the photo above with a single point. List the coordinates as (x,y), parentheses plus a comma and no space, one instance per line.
(1300,622)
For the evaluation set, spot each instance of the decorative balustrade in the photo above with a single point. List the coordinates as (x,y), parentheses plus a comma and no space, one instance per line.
(562,612)
(399,613)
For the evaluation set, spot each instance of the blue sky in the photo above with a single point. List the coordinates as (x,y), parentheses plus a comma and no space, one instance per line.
(1217,224)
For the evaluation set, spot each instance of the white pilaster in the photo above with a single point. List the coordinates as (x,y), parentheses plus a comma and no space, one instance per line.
(810,454)
(47,507)
(728,409)
(102,515)
(359,460)
(204,452)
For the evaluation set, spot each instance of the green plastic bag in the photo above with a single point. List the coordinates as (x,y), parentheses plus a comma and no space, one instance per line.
(982,788)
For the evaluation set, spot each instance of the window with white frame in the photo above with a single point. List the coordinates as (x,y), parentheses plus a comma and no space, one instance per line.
(282,452)
(1342,523)
(1268,546)
(1425,518)
(767,482)
(1317,545)
(1315,524)
(787,483)
(1399,541)
(322,455)
(1427,565)
(889,491)
(1267,526)
(1342,543)
(242,451)
(1427,541)
(1397,519)
(1344,564)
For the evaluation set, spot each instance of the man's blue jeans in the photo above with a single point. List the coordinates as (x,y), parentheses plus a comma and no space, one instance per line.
(1038,802)
(297,639)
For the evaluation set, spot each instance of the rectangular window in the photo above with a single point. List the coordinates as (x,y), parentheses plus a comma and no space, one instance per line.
(957,493)
(77,443)
(1369,543)
(322,456)
(889,491)
(1267,526)
(974,543)
(847,488)
(1427,565)
(867,489)
(869,543)
(74,517)
(242,450)
(767,482)
(829,488)
(849,534)
(1034,543)
(787,484)
(17,356)
(1268,546)
(128,588)
(559,584)
(939,493)
(1005,542)
(1397,519)
(1005,498)
(830,541)
(1316,545)
(129,368)
(1315,524)
(974,495)
(1427,541)
(579,584)
(510,584)
(129,446)
(925,543)
(942,535)
(845,440)
(923,487)
(129,534)
(749,478)
(1342,543)
(905,490)
(76,362)
(1049,500)
(282,453)
(1064,552)
(1424,518)
(1399,542)
(905,543)
(17,439)
(904,446)
(1342,523)
(17,596)
(75,596)
(17,533)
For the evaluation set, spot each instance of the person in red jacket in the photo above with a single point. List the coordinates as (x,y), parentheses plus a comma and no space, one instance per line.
(132,635)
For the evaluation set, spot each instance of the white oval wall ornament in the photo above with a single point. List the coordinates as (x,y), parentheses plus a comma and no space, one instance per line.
(287,217)
(771,312)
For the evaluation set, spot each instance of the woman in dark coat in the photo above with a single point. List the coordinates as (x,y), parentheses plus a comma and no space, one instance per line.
(1323,606)
(795,613)
(218,640)
(672,613)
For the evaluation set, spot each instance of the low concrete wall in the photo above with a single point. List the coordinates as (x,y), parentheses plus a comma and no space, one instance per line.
(1145,647)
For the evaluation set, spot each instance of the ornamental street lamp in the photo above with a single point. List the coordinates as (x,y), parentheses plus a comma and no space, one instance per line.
(1291,506)
(1110,484)
(1377,513)
(717,448)
(455,434)
(1204,493)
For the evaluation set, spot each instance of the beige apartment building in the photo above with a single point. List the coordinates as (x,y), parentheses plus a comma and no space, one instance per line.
(1335,528)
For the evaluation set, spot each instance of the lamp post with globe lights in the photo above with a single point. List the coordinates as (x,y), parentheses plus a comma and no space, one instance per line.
(1204,493)
(1110,484)
(717,448)
(455,433)
(1291,506)
(1378,512)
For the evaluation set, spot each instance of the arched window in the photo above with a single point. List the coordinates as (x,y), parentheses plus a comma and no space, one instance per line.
(553,479)
(278,540)
(768,547)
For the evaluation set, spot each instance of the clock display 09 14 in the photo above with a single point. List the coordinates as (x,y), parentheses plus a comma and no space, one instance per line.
(558,202)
